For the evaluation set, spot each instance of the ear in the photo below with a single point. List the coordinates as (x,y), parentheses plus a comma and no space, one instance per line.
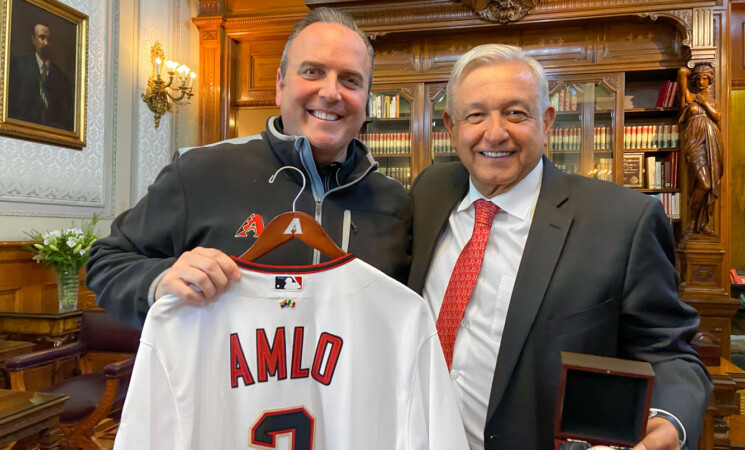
(548,120)
(448,122)
(278,87)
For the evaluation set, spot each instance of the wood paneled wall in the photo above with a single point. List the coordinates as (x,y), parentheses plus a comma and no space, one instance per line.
(737,147)
(26,285)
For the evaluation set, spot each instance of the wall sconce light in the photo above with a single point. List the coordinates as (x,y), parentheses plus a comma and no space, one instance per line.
(178,88)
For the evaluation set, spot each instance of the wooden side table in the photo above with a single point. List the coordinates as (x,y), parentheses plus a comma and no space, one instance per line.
(40,324)
(24,415)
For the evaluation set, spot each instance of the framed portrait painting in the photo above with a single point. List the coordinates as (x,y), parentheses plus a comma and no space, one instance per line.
(43,63)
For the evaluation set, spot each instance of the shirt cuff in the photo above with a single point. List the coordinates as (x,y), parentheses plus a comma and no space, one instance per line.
(151,291)
(655,412)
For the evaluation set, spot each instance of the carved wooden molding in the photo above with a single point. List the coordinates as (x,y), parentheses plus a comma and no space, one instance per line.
(435,92)
(253,103)
(683,20)
(210,6)
(251,22)
(502,11)
(441,14)
(701,268)
(697,28)
(611,82)
(208,22)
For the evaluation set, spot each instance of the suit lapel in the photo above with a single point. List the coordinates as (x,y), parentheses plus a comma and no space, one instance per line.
(545,242)
(432,211)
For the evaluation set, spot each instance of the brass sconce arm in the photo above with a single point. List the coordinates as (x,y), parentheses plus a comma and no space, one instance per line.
(158,92)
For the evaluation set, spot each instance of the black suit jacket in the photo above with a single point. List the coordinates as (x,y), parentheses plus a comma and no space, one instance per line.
(597,276)
(24,98)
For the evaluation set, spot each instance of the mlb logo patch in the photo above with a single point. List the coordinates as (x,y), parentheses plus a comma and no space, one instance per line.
(288,283)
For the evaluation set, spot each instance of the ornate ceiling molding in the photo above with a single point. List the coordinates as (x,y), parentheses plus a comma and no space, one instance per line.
(501,11)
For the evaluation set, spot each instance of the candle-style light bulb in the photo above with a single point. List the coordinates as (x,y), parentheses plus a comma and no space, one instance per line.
(158,63)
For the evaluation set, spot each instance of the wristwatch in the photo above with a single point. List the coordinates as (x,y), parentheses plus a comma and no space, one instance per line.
(654,412)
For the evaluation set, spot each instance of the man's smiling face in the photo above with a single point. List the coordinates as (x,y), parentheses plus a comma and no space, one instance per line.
(496,126)
(324,91)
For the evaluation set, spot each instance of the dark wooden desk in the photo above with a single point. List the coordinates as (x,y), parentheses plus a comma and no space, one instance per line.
(23,415)
(40,324)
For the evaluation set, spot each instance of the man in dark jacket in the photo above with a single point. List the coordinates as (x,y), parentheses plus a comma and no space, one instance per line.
(214,201)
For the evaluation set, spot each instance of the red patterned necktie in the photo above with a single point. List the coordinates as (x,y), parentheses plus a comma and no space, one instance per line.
(463,278)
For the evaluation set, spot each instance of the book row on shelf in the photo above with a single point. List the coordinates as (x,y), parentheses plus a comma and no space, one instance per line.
(603,169)
(671,203)
(384,106)
(666,97)
(662,172)
(570,139)
(400,174)
(569,168)
(394,143)
(564,139)
(650,136)
(601,138)
(441,143)
(565,99)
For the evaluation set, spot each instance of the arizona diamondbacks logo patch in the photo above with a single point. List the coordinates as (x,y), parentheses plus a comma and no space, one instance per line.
(254,223)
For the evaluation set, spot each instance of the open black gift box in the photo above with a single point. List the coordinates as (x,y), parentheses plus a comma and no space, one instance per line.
(602,401)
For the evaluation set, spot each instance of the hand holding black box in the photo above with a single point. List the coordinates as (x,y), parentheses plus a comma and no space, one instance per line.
(602,401)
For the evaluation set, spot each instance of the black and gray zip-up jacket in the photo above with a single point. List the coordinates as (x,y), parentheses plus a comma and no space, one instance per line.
(215,196)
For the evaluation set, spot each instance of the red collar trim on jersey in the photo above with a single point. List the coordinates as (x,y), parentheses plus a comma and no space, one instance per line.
(266,268)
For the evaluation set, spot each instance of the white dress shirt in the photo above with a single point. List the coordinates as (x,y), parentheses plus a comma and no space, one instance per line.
(477,344)
(43,66)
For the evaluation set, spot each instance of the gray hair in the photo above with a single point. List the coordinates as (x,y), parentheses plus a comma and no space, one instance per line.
(327,15)
(489,54)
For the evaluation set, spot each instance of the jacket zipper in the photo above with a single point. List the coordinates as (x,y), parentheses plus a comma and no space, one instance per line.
(318,199)
(316,253)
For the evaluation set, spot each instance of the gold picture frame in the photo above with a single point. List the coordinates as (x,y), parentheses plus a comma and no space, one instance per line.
(633,170)
(43,70)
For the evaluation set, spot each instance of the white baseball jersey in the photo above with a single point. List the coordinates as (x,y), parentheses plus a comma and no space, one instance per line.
(331,356)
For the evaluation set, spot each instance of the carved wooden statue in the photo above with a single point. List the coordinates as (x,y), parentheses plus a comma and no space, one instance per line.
(702,145)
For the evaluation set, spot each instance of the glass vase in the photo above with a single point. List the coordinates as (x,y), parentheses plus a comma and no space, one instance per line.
(67,290)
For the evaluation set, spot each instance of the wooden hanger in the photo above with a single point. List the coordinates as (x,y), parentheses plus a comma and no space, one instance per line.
(289,225)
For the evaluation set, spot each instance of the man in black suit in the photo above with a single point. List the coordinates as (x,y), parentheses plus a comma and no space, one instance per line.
(571,264)
(38,90)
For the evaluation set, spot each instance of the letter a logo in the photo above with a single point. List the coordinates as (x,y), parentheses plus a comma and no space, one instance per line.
(294,227)
(253,223)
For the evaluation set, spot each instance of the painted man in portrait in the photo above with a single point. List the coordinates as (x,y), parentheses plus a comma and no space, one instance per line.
(38,90)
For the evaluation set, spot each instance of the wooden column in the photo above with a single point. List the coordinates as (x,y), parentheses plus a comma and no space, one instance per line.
(704,260)
(213,92)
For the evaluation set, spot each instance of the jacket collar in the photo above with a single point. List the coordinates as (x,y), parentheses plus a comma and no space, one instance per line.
(295,150)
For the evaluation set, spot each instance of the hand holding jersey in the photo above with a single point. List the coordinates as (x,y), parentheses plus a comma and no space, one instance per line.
(198,276)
